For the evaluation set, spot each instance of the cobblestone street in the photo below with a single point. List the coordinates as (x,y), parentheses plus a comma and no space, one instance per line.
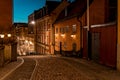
(24,71)
(61,68)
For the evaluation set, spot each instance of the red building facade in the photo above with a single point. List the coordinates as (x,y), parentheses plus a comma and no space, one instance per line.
(99,43)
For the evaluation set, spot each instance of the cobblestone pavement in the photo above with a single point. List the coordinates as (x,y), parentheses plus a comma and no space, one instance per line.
(23,72)
(9,67)
(61,68)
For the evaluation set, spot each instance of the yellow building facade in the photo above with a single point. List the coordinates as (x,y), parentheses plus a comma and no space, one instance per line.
(67,36)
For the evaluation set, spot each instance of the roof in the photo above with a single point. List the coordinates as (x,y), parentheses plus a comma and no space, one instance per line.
(20,25)
(46,10)
(51,5)
(76,8)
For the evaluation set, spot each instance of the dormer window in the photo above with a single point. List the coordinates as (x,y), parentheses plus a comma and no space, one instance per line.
(66,11)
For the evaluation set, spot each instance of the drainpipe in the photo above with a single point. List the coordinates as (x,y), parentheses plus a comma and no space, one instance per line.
(88,32)
(81,49)
(53,37)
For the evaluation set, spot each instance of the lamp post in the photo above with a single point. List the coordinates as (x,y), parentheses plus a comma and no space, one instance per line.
(2,37)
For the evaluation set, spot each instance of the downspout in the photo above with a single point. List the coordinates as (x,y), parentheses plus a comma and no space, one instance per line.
(81,49)
(53,37)
(88,33)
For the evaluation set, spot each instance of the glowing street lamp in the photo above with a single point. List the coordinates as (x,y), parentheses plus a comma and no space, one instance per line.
(9,35)
(32,22)
(73,35)
(63,35)
(2,35)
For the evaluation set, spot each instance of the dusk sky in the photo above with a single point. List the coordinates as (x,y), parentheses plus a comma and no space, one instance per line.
(23,8)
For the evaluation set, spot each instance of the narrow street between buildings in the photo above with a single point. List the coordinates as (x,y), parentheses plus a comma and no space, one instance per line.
(61,68)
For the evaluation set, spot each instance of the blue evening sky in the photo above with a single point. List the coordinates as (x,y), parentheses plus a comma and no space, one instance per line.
(23,8)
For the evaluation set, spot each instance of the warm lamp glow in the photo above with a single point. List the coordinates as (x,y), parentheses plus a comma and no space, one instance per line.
(73,36)
(31,43)
(33,22)
(26,41)
(2,35)
(9,35)
(56,35)
(63,35)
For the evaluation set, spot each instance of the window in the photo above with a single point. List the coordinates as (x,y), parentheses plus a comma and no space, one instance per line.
(74,28)
(67,29)
(112,10)
(66,11)
(56,30)
(60,30)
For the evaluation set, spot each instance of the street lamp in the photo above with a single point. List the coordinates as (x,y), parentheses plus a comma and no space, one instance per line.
(33,22)
(2,36)
(9,35)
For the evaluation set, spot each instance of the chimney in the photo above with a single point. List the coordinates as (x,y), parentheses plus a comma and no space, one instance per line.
(63,0)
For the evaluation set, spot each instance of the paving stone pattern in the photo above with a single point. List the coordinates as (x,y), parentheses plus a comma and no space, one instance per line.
(57,69)
(62,68)
(8,67)
(24,72)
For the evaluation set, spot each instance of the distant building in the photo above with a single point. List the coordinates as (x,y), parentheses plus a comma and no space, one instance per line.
(43,28)
(21,29)
(25,44)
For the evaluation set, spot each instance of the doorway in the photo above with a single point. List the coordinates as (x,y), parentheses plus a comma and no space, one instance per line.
(95,53)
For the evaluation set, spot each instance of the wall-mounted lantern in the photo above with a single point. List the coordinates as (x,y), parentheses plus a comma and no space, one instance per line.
(9,35)
(5,38)
(2,35)
(56,35)
(63,35)
(73,35)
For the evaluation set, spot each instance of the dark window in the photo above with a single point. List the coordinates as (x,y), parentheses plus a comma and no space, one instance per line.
(66,11)
(67,29)
(56,30)
(112,10)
